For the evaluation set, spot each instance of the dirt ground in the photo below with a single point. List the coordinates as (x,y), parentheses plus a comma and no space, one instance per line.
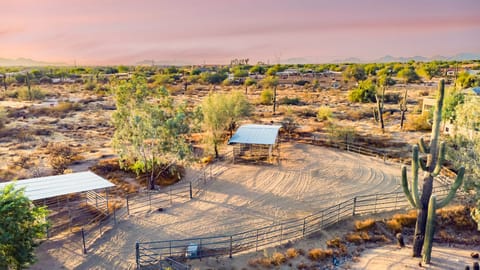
(241,197)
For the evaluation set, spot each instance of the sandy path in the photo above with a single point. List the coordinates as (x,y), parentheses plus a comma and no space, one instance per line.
(243,197)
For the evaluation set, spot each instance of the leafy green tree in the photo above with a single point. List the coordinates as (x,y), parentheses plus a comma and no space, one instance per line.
(408,74)
(272,83)
(248,82)
(257,69)
(356,72)
(365,92)
(22,224)
(240,73)
(150,129)
(453,98)
(429,70)
(213,77)
(371,69)
(220,114)
(465,80)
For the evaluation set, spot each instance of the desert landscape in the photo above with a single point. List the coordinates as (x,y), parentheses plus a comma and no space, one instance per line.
(236,135)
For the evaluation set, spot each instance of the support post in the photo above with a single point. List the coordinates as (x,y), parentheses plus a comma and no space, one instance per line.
(106,197)
(114,216)
(281,233)
(150,200)
(128,206)
(354,205)
(375,206)
(231,244)
(83,241)
(338,213)
(304,225)
(191,193)
(137,254)
(256,243)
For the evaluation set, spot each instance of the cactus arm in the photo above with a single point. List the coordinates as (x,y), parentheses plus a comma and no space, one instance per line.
(405,187)
(441,159)
(437,118)
(429,230)
(423,146)
(453,189)
(415,162)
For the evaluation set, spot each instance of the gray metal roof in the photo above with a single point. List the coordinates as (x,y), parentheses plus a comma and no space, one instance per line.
(57,185)
(255,134)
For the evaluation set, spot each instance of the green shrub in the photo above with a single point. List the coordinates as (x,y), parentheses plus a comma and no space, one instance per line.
(418,123)
(266,97)
(365,92)
(33,94)
(90,85)
(290,101)
(324,113)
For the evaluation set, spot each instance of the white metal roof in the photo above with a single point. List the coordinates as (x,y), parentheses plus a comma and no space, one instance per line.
(255,134)
(51,186)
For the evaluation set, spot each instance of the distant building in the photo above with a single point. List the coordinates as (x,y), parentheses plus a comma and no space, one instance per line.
(427,104)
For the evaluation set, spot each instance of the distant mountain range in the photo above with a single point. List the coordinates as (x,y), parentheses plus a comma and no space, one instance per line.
(296,60)
(417,58)
(26,62)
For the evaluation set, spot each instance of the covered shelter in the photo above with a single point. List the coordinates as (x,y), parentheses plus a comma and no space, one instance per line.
(73,199)
(255,142)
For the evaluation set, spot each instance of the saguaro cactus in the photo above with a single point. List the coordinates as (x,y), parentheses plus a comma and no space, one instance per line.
(435,157)
(403,108)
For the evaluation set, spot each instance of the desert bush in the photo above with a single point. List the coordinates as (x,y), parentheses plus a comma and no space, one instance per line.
(278,258)
(292,253)
(458,217)
(393,98)
(60,156)
(334,243)
(324,113)
(366,224)
(289,125)
(357,238)
(365,92)
(266,97)
(317,254)
(418,123)
(290,101)
(34,94)
(89,85)
(394,225)
(341,133)
(406,220)
(60,110)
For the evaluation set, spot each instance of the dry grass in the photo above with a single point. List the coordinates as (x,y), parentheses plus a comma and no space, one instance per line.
(292,253)
(406,220)
(334,243)
(357,237)
(457,217)
(417,123)
(317,254)
(366,224)
(278,258)
(394,225)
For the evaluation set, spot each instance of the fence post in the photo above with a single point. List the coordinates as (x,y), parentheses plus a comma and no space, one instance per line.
(170,247)
(83,241)
(128,207)
(150,200)
(375,206)
(205,176)
(384,158)
(137,254)
(114,216)
(281,233)
(304,224)
(231,247)
(354,205)
(321,221)
(338,213)
(191,193)
(396,200)
(256,243)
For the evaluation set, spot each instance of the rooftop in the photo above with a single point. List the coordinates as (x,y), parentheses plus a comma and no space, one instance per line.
(255,134)
(57,185)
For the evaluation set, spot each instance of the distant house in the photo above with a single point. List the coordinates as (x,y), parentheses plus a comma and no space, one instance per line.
(451,72)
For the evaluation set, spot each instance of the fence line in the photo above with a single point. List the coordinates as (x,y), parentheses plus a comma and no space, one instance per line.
(155,253)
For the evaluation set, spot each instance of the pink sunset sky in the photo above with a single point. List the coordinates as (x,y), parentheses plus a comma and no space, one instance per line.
(94,32)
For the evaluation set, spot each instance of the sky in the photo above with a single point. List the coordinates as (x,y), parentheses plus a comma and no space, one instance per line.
(100,32)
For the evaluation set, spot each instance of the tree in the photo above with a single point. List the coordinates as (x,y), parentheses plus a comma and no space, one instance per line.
(465,80)
(60,156)
(150,129)
(356,72)
(248,82)
(213,78)
(453,98)
(429,70)
(426,203)
(220,113)
(271,82)
(257,69)
(408,74)
(365,92)
(21,225)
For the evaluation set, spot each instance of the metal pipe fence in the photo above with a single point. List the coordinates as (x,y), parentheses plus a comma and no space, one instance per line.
(156,252)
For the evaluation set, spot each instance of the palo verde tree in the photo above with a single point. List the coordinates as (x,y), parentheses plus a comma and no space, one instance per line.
(22,224)
(220,113)
(271,82)
(425,203)
(150,129)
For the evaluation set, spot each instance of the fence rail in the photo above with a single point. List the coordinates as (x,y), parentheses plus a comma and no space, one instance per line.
(152,253)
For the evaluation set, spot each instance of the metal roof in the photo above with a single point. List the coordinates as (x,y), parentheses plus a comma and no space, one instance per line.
(57,185)
(255,134)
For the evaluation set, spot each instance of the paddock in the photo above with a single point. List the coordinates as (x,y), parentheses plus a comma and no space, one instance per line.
(256,143)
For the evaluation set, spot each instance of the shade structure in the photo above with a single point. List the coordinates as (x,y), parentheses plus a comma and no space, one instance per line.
(255,134)
(57,185)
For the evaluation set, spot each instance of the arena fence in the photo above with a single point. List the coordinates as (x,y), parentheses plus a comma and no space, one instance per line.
(157,253)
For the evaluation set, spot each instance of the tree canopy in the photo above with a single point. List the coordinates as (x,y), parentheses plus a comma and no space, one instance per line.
(150,129)
(220,113)
(365,92)
(21,225)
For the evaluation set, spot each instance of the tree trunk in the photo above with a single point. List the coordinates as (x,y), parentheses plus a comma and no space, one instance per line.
(420,226)
(151,181)
(402,118)
(246,89)
(215,147)
(274,99)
